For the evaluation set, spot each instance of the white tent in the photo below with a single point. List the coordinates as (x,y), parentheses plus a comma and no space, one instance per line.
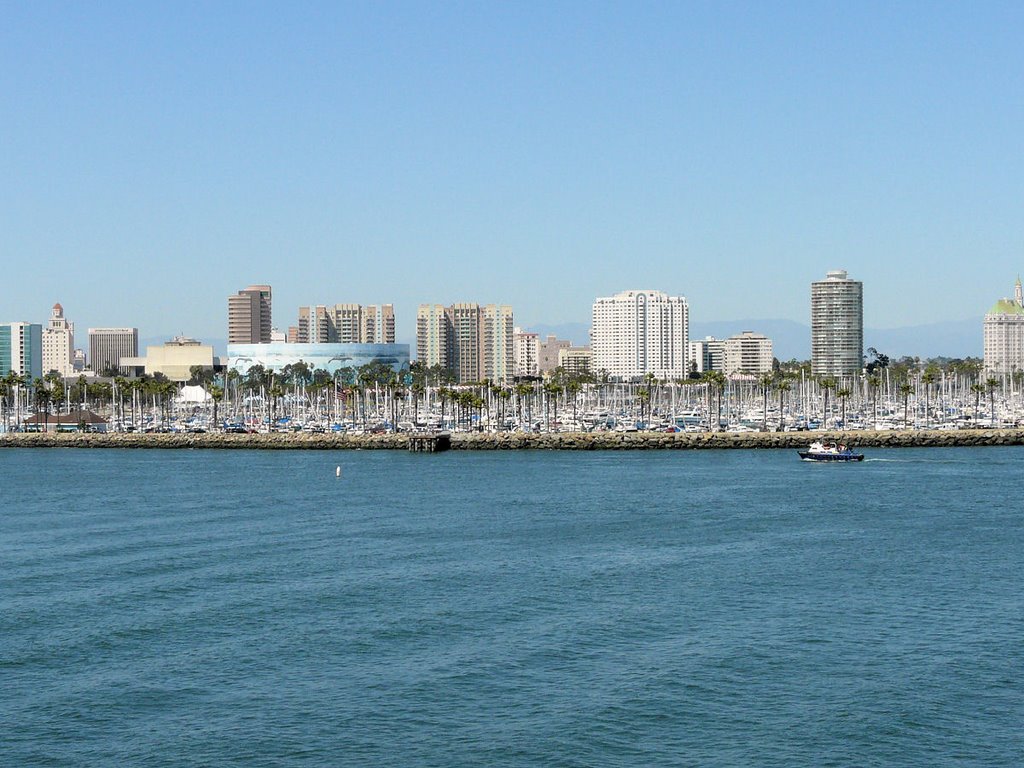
(193,394)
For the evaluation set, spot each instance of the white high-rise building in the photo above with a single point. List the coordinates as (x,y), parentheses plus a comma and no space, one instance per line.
(59,344)
(496,343)
(1004,334)
(639,332)
(837,325)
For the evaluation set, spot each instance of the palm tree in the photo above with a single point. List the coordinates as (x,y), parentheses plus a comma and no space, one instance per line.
(522,390)
(783,386)
(41,396)
(827,385)
(990,385)
(766,381)
(927,378)
(842,394)
(905,390)
(644,396)
(216,394)
(551,389)
(978,390)
(874,383)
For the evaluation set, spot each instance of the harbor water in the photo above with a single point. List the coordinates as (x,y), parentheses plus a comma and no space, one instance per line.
(668,608)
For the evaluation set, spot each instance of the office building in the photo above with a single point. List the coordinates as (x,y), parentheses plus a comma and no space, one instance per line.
(1004,334)
(636,333)
(837,325)
(249,316)
(108,345)
(707,354)
(59,344)
(21,350)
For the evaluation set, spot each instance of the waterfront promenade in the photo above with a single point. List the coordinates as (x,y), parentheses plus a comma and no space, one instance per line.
(525,441)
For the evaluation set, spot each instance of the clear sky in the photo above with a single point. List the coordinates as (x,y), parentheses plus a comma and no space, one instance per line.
(155,158)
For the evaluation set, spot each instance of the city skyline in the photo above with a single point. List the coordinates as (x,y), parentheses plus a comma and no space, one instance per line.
(534,157)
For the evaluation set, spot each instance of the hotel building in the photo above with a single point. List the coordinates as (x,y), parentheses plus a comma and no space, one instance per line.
(635,333)
(59,344)
(837,325)
(1004,334)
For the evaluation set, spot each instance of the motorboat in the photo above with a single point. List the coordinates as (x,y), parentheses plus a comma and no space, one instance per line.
(829,450)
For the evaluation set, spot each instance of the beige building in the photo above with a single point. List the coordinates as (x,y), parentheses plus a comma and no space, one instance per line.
(59,344)
(249,316)
(473,342)
(526,352)
(346,324)
(1004,334)
(747,352)
(174,359)
(575,361)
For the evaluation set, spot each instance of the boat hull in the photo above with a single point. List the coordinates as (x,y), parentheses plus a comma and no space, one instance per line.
(830,457)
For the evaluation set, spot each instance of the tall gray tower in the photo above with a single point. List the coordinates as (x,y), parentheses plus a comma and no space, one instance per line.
(837,325)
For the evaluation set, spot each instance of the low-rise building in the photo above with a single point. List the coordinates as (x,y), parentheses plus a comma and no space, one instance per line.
(174,359)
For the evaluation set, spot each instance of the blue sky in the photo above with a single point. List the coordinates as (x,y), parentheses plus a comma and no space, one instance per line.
(155,158)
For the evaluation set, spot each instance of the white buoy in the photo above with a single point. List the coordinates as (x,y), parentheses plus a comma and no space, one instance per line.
(337,472)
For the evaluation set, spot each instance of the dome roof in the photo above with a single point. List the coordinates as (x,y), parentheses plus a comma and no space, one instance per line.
(58,308)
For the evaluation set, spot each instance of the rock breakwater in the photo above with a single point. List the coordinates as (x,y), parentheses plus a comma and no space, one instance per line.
(568,441)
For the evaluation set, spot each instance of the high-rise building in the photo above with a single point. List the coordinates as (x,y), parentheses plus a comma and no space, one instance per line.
(526,351)
(747,352)
(635,333)
(249,316)
(346,324)
(837,325)
(21,349)
(433,336)
(465,323)
(473,342)
(707,354)
(108,345)
(378,324)
(496,338)
(59,344)
(1004,334)
(315,326)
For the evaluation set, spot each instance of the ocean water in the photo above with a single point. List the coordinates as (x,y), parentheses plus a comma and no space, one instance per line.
(706,608)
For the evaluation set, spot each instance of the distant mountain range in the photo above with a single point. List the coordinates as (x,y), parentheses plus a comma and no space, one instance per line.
(792,340)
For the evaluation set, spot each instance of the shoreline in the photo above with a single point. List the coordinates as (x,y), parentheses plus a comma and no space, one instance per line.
(579,441)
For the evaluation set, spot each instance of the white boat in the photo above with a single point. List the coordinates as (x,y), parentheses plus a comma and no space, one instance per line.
(828,450)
